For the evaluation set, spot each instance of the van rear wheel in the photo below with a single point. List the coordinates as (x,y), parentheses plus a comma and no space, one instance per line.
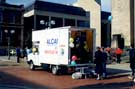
(55,70)
(31,66)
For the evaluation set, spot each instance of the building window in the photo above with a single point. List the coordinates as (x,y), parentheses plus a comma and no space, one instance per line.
(56,22)
(8,17)
(0,35)
(69,22)
(17,18)
(82,23)
(0,16)
(11,18)
(5,16)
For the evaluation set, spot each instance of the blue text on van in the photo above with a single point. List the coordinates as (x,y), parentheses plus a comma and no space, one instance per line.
(52,41)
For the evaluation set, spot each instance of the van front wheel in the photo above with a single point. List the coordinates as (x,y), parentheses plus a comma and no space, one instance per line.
(31,65)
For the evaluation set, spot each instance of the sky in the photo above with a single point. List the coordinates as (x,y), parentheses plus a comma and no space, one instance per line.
(106,4)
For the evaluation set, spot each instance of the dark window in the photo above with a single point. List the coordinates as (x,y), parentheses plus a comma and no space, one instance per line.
(81,23)
(0,35)
(104,35)
(56,22)
(8,17)
(69,22)
(17,18)
(1,16)
(11,18)
(5,16)
(42,22)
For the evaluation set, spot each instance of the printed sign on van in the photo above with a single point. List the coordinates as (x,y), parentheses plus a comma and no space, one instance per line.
(52,41)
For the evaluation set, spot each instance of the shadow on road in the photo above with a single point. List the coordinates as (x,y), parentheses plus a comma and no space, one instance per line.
(113,71)
(8,81)
(116,76)
(123,85)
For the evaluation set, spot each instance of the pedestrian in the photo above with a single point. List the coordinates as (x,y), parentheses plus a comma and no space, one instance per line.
(104,52)
(108,49)
(99,61)
(132,61)
(118,53)
(18,54)
(28,51)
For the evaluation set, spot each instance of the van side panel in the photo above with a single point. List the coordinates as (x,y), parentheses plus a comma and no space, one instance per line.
(53,47)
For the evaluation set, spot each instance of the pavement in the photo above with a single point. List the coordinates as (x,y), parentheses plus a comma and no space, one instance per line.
(118,69)
(112,69)
(5,58)
(4,61)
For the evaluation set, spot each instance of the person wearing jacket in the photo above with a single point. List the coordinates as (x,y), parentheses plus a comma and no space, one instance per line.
(104,54)
(18,54)
(118,53)
(99,63)
(132,61)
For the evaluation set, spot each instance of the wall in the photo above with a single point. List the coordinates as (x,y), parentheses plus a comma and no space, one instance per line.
(95,16)
(121,19)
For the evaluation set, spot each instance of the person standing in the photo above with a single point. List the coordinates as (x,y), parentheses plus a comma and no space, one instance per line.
(18,54)
(28,51)
(108,50)
(118,53)
(99,61)
(132,61)
(104,51)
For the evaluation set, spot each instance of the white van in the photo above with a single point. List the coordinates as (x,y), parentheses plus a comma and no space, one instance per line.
(62,48)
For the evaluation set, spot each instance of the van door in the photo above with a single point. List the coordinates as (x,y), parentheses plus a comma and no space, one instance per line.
(35,51)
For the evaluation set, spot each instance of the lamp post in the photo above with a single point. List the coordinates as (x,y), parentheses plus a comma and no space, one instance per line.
(9,32)
(48,24)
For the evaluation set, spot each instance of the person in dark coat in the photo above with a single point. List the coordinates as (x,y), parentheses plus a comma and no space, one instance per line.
(132,60)
(18,54)
(104,51)
(99,61)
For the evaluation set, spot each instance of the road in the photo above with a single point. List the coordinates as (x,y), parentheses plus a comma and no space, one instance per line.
(18,76)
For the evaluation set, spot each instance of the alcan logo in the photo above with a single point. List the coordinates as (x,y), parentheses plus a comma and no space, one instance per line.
(53,41)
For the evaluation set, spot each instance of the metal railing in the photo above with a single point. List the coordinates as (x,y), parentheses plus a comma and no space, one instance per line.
(4,50)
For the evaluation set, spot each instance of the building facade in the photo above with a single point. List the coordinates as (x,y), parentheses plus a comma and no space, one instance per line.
(94,7)
(42,15)
(11,24)
(123,23)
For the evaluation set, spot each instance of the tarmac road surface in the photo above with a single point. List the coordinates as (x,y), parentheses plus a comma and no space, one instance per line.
(18,76)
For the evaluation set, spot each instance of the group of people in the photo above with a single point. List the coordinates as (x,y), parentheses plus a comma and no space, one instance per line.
(101,56)
(21,53)
(114,54)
